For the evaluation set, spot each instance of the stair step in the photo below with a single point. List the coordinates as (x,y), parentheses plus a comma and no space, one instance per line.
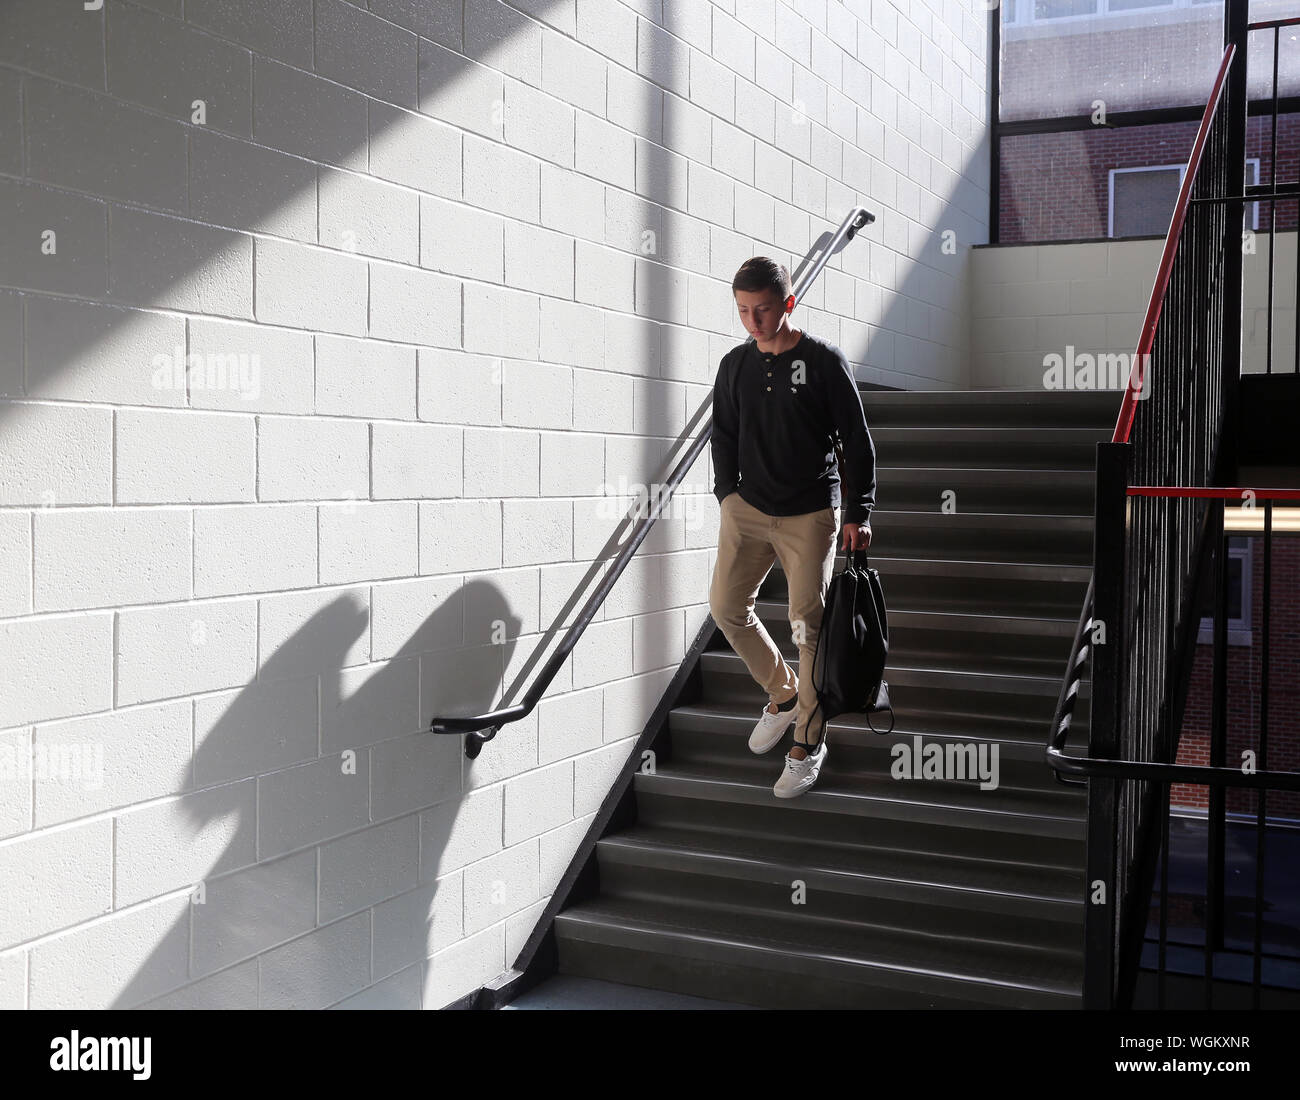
(923,694)
(983,536)
(991,643)
(992,408)
(875,888)
(723,720)
(851,774)
(719,734)
(1073,448)
(779,959)
(871,879)
(981,587)
(988,489)
(956,817)
(564,992)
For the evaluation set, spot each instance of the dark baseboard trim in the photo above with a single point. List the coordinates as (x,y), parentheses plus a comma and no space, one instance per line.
(460,1003)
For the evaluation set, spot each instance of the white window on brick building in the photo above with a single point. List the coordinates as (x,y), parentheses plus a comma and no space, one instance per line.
(1141,200)
(1239,579)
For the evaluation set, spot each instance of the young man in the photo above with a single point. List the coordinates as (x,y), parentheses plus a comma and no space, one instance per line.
(778,405)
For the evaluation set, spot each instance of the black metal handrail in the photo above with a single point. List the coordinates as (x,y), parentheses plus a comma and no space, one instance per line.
(1130,796)
(1273,190)
(1177,437)
(1169,772)
(1170,430)
(1173,292)
(481,728)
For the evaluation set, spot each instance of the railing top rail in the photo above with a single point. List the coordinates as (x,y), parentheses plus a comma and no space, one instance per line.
(1216,492)
(1124,425)
(1195,774)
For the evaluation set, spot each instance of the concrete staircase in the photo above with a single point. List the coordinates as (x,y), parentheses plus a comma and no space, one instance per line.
(916,893)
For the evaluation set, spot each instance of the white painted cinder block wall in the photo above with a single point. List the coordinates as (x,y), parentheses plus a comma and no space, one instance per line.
(300,398)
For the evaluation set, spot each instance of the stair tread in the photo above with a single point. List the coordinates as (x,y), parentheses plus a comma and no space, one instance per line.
(971,620)
(1003,681)
(1018,471)
(971,518)
(982,431)
(975,567)
(856,725)
(793,942)
(1011,393)
(1105,398)
(751,777)
(949,871)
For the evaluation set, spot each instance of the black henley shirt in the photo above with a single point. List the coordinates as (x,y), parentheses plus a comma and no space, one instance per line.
(775,419)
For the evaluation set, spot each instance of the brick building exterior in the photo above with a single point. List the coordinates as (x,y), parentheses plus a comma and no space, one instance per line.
(1244,666)
(1057,186)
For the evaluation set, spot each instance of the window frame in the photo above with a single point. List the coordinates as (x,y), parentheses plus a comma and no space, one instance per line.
(1240,630)
(1111,173)
(1025,17)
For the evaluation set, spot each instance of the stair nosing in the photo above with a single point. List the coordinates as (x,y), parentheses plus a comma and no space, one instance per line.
(589,915)
(636,843)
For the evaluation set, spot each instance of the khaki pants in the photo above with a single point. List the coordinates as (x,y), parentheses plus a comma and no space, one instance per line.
(749,542)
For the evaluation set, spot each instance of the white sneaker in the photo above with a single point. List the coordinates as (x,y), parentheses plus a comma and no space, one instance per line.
(771,727)
(799,775)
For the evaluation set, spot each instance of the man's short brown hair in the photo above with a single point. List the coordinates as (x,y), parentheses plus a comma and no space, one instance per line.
(760,273)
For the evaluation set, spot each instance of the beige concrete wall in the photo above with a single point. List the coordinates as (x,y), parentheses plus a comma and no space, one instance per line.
(1032,301)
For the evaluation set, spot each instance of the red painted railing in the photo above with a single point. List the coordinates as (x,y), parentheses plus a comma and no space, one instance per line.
(1148,335)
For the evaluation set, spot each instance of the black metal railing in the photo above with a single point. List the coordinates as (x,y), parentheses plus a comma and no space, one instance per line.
(643,514)
(1130,791)
(1175,404)
(1138,627)
(1169,431)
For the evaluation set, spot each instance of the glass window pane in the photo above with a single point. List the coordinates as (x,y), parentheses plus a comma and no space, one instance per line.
(1235,588)
(1142,202)
(1130,5)
(1140,54)
(1057,9)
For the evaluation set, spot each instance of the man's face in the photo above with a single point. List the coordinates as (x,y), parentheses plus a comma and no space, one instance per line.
(761,312)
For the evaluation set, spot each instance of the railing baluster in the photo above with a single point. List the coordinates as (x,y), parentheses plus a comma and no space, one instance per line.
(1104,731)
(1217,797)
(1256,979)
(1166,794)
(1272,204)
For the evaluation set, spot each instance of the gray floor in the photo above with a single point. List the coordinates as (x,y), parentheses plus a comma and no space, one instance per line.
(563,991)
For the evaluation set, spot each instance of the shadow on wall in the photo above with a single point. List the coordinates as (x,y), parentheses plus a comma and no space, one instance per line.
(239,808)
(268,782)
(381,809)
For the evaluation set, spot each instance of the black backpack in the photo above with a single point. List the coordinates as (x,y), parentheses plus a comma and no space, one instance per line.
(853,644)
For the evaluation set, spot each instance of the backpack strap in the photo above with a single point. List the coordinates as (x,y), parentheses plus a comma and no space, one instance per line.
(883,693)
